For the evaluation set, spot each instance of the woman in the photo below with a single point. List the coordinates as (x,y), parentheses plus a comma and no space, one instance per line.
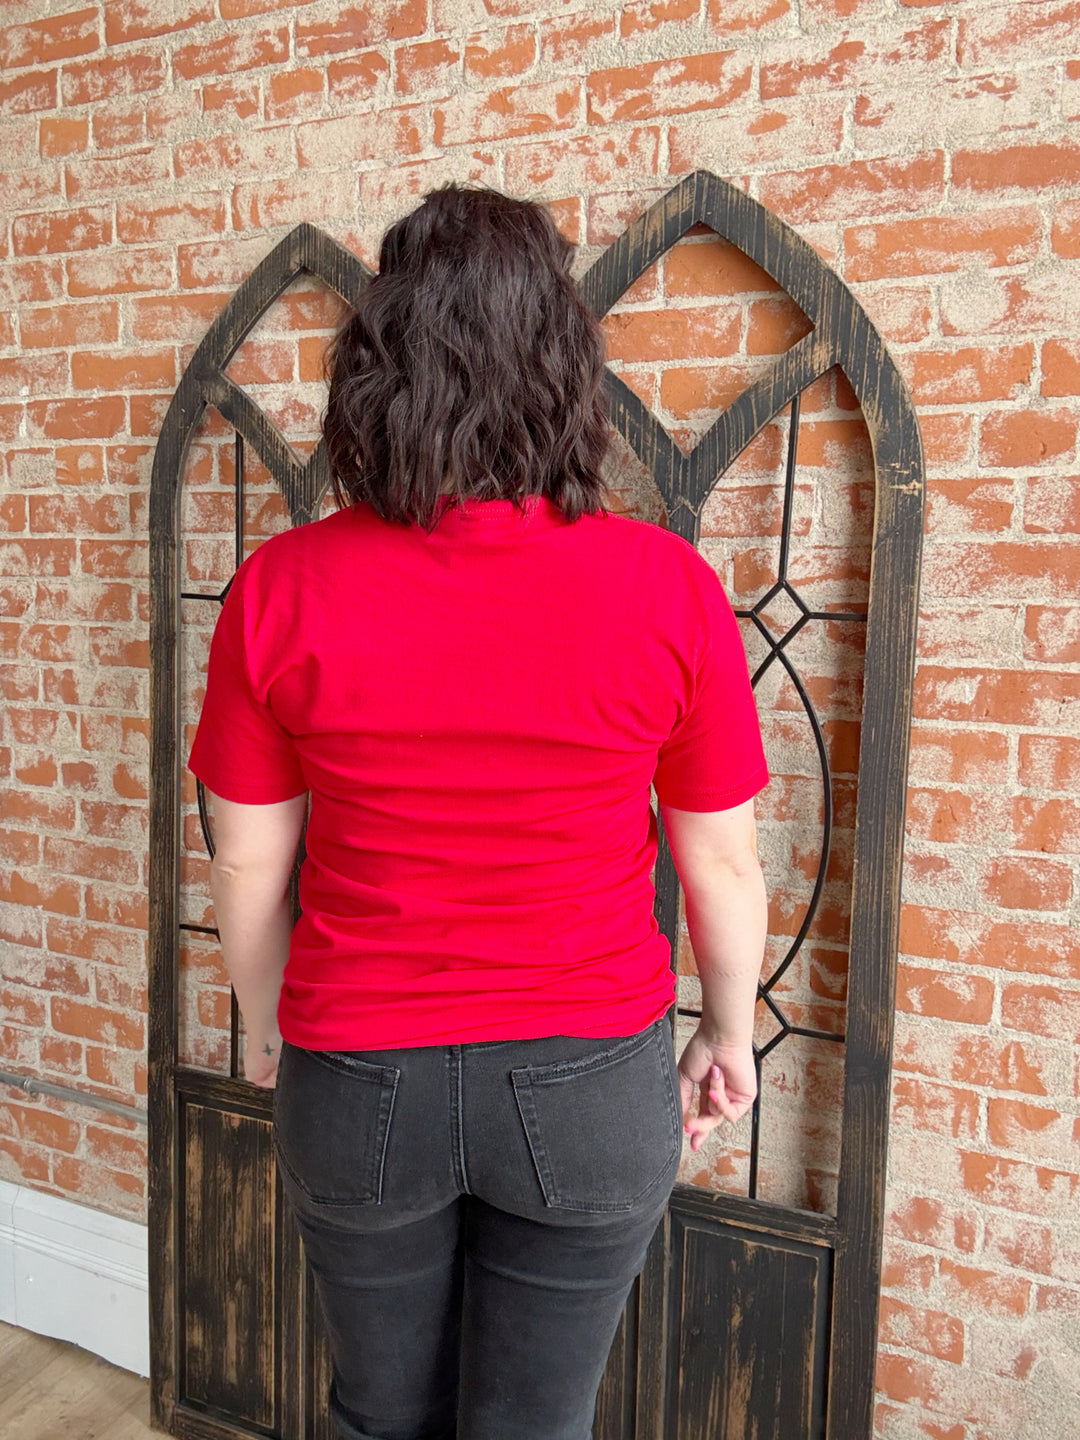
(476,674)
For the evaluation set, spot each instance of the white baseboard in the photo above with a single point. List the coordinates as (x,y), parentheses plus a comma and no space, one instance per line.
(76,1274)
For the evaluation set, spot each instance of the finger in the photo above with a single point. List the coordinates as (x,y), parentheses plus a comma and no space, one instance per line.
(686,1092)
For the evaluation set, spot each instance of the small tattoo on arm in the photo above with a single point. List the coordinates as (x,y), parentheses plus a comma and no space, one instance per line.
(268,1049)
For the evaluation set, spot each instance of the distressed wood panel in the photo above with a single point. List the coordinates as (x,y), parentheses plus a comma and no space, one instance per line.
(229,1342)
(747,1351)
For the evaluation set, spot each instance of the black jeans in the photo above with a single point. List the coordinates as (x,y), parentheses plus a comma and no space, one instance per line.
(475,1216)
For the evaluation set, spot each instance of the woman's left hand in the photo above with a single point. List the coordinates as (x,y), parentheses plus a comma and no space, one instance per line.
(261,1056)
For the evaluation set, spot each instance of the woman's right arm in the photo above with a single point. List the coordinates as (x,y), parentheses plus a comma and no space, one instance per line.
(715,854)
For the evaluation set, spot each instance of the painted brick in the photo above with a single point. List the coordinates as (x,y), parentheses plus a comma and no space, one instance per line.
(501,55)
(668,87)
(87,81)
(812,126)
(860,187)
(360,26)
(245,50)
(127,20)
(82,229)
(239,156)
(854,62)
(508,112)
(386,133)
(1007,33)
(357,78)
(1034,166)
(43,41)
(1052,633)
(23,94)
(599,158)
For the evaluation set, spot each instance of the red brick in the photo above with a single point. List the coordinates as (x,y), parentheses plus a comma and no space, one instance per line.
(1052,633)
(1065,235)
(1027,884)
(569,40)
(358,78)
(95,862)
(31,1165)
(947,995)
(673,334)
(94,179)
(37,557)
(1050,762)
(256,152)
(1004,33)
(430,65)
(23,94)
(1037,1131)
(1041,1010)
(61,897)
(946,438)
(735,16)
(933,1223)
(40,810)
(41,1127)
(175,318)
(937,1109)
(852,62)
(905,1379)
(668,87)
(810,126)
(60,233)
(240,100)
(950,377)
(88,81)
(245,50)
(965,507)
(294,92)
(512,110)
(1061,368)
(18,375)
(43,41)
(63,136)
(983,1290)
(127,20)
(116,907)
(507,53)
(1052,506)
(240,9)
(1003,569)
(78,419)
(1021,1244)
(97,370)
(859,187)
(599,158)
(1033,948)
(193,218)
(930,1331)
(55,325)
(102,943)
(1002,697)
(643,16)
(1034,166)
(1051,826)
(361,26)
(65,1056)
(98,1183)
(348,141)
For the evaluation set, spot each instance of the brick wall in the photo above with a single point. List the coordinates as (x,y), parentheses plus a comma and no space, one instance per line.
(151,153)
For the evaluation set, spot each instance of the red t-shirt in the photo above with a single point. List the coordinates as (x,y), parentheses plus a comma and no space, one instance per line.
(478,714)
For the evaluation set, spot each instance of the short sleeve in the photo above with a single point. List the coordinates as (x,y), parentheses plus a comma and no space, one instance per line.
(714,759)
(241,752)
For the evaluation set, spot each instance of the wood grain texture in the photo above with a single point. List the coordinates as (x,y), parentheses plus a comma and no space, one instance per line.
(50,1390)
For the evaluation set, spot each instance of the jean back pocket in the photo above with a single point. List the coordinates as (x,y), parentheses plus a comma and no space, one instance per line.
(332,1115)
(606,1130)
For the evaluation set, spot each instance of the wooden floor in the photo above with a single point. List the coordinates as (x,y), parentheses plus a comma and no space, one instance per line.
(53,1391)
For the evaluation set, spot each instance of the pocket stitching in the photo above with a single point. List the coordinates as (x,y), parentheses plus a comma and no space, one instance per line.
(386,1077)
(522,1081)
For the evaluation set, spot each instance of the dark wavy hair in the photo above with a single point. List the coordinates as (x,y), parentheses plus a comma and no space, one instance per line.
(471,365)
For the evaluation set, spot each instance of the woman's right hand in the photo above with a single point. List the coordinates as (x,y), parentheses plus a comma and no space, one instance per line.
(725,1078)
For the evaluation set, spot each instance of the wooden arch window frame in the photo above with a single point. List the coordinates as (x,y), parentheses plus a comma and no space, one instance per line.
(639,1398)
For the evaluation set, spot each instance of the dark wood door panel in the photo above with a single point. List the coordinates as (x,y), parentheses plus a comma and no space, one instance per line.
(229,1331)
(747,1333)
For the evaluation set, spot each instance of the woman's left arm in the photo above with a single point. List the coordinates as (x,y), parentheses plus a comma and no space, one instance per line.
(255,849)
